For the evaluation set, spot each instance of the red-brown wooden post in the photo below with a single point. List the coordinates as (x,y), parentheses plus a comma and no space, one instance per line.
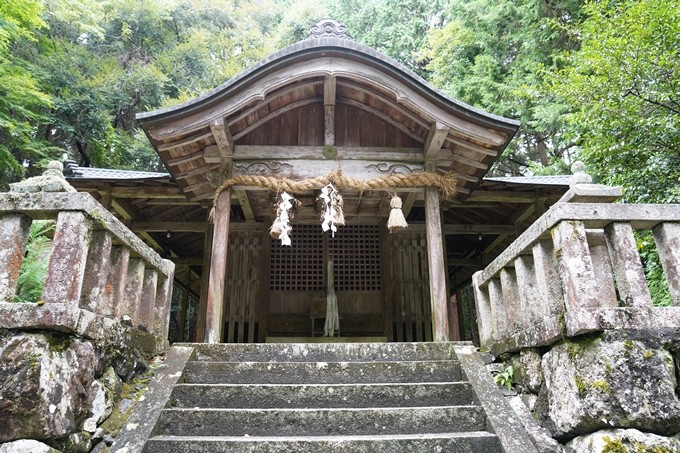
(218,269)
(435,261)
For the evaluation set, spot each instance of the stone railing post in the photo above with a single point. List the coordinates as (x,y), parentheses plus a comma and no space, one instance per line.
(94,282)
(114,296)
(625,259)
(548,279)
(14,231)
(133,291)
(511,300)
(667,239)
(147,303)
(161,319)
(484,314)
(599,254)
(68,259)
(530,301)
(576,265)
(499,319)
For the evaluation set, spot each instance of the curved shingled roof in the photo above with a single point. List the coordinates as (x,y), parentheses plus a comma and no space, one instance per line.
(276,117)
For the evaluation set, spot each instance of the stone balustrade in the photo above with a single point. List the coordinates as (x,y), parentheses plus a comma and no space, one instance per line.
(102,283)
(577,270)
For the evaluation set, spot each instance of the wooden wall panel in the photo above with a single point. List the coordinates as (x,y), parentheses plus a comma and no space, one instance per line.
(241,314)
(410,287)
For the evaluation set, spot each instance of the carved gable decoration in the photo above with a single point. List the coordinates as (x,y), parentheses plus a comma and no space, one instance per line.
(328,28)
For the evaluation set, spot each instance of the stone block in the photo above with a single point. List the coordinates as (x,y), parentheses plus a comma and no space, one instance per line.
(593,384)
(14,231)
(581,321)
(45,379)
(623,440)
(527,366)
(26,445)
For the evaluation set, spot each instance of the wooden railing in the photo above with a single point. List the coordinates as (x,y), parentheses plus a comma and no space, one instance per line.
(577,270)
(100,275)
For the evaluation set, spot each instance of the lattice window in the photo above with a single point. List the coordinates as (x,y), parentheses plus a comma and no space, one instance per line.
(355,252)
(300,266)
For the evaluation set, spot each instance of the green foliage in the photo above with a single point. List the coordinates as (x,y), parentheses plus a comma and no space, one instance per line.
(623,91)
(656,279)
(488,55)
(34,266)
(504,377)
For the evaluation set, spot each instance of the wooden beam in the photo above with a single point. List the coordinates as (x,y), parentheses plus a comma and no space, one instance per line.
(435,260)
(185,159)
(185,141)
(425,124)
(223,138)
(171,202)
(276,114)
(147,192)
(472,146)
(268,100)
(196,171)
(187,261)
(196,186)
(287,152)
(469,262)
(218,269)
(479,229)
(502,196)
(435,140)
(329,89)
(408,203)
(465,161)
(383,116)
(129,213)
(244,202)
(175,227)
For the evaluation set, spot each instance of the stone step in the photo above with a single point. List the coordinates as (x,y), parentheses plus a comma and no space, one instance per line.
(275,396)
(324,352)
(319,422)
(320,372)
(468,442)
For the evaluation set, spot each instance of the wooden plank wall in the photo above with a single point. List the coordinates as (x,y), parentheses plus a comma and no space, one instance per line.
(242,319)
(412,317)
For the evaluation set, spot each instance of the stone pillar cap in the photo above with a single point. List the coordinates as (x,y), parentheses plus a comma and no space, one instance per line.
(52,180)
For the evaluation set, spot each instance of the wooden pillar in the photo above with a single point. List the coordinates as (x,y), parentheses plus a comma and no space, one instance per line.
(205,281)
(435,261)
(218,269)
(386,273)
(263,294)
(183,309)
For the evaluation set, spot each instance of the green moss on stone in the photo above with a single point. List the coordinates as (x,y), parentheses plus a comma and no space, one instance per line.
(613,445)
(649,354)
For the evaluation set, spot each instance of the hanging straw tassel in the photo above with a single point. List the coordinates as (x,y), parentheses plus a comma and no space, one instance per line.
(396,221)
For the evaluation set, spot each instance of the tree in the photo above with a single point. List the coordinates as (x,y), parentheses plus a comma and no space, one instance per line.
(22,101)
(623,91)
(488,55)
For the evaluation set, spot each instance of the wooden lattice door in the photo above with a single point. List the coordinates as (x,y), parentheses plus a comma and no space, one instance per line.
(298,275)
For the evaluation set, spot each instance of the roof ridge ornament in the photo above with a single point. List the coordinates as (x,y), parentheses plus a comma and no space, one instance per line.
(328,28)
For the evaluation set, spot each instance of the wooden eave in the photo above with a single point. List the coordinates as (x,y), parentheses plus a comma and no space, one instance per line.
(273,119)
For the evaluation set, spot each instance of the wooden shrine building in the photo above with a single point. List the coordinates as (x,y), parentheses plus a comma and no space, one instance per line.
(324,103)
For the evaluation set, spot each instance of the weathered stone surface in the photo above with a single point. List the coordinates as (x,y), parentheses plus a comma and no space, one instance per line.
(45,380)
(623,441)
(592,384)
(540,437)
(99,407)
(527,366)
(26,446)
(73,443)
(14,230)
(52,180)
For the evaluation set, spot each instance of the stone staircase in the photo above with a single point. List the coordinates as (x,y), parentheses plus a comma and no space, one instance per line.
(349,397)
